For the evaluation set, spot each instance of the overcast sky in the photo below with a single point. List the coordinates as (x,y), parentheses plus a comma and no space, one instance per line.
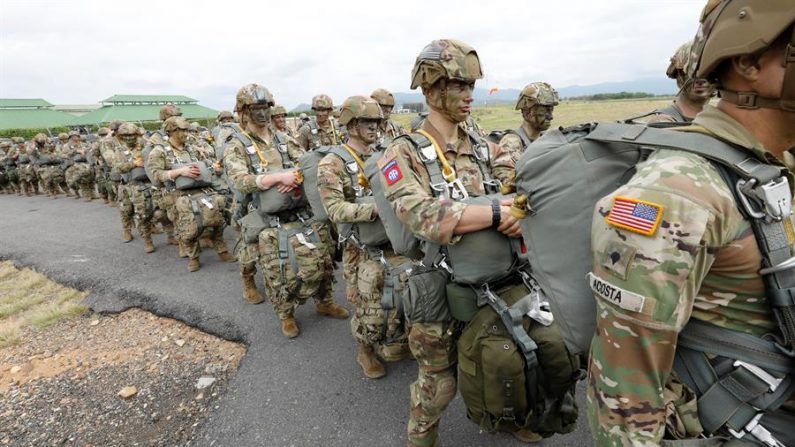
(80,52)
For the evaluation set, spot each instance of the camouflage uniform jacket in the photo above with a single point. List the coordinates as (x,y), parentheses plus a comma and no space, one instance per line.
(242,172)
(407,184)
(328,134)
(123,158)
(69,150)
(391,130)
(162,160)
(513,143)
(701,263)
(337,193)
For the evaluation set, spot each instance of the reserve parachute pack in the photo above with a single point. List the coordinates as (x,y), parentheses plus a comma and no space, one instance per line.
(514,370)
(566,171)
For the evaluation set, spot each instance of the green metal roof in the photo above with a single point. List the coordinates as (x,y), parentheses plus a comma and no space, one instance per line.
(150,99)
(33,118)
(136,113)
(23,103)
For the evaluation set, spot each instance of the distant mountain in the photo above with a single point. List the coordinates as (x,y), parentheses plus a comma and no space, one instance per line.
(303,107)
(655,86)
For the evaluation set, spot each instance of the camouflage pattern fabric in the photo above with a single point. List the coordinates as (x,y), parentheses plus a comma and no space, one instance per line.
(328,134)
(28,180)
(701,263)
(13,178)
(181,203)
(433,344)
(79,176)
(50,177)
(513,143)
(364,276)
(122,160)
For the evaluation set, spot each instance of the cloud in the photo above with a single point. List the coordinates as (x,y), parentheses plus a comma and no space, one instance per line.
(85,51)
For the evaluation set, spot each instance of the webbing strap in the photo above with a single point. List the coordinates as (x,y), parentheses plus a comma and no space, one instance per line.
(282,146)
(512,319)
(150,207)
(197,212)
(522,134)
(348,160)
(391,274)
(482,159)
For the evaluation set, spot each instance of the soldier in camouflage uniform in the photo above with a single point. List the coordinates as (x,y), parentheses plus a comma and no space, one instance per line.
(28,179)
(364,267)
(388,130)
(279,120)
(163,201)
(537,102)
(255,160)
(98,163)
(79,175)
(446,70)
(11,167)
(47,163)
(320,131)
(699,265)
(121,152)
(135,192)
(195,210)
(693,93)
(5,185)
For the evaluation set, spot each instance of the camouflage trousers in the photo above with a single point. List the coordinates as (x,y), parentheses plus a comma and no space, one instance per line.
(51,178)
(351,257)
(80,178)
(135,208)
(28,181)
(112,189)
(296,264)
(434,347)
(370,324)
(192,217)
(101,181)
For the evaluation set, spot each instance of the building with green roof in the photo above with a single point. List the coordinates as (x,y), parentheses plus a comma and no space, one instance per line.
(141,108)
(31,113)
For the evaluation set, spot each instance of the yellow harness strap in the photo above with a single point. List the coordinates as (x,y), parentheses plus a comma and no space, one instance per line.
(448,173)
(261,157)
(362,179)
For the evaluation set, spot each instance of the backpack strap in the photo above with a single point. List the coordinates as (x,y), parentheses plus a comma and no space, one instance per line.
(480,147)
(282,145)
(522,134)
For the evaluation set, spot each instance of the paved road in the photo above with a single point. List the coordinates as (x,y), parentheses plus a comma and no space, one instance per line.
(302,392)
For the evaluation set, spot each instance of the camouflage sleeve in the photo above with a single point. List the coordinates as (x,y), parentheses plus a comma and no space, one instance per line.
(120,162)
(503,165)
(425,215)
(303,138)
(236,164)
(645,287)
(513,144)
(294,150)
(330,175)
(158,165)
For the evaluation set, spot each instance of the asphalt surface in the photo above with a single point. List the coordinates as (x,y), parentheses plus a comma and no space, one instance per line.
(308,391)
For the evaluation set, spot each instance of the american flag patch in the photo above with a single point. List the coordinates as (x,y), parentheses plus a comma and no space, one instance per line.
(635,215)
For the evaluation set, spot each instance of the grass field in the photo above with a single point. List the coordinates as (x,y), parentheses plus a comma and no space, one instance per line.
(28,298)
(503,116)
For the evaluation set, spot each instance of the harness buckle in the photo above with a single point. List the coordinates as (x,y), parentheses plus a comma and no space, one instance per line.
(481,152)
(757,431)
(427,154)
(457,190)
(282,148)
(772,382)
(773,195)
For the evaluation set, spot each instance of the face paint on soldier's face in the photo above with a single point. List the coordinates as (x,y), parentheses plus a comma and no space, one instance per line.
(322,115)
(387,111)
(541,117)
(129,139)
(452,100)
(279,121)
(699,90)
(260,115)
(367,130)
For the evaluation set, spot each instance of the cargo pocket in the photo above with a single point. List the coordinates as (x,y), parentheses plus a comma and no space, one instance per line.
(426,301)
(504,390)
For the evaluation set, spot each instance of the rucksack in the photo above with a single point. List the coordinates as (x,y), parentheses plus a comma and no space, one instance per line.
(566,171)
(309,163)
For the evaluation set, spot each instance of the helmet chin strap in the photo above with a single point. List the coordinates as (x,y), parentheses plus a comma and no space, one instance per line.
(751,100)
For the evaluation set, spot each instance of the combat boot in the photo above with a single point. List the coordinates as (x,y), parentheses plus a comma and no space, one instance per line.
(156,230)
(371,367)
(290,327)
(250,292)
(171,240)
(194,265)
(331,309)
(127,235)
(526,436)
(149,247)
(225,256)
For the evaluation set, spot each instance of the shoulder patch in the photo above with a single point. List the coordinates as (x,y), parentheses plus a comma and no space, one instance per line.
(620,297)
(388,156)
(392,172)
(635,215)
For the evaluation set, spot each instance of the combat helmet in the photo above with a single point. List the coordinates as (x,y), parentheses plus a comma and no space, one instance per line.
(74,133)
(322,101)
(445,59)
(537,93)
(383,96)
(63,136)
(5,144)
(103,131)
(17,140)
(127,128)
(278,110)
(40,138)
(732,28)
(357,107)
(225,115)
(252,94)
(194,126)
(169,110)
(677,69)
(175,123)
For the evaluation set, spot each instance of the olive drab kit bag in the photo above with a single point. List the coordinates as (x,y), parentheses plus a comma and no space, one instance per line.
(566,171)
(513,368)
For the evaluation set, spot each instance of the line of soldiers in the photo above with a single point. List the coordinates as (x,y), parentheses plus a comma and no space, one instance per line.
(299,199)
